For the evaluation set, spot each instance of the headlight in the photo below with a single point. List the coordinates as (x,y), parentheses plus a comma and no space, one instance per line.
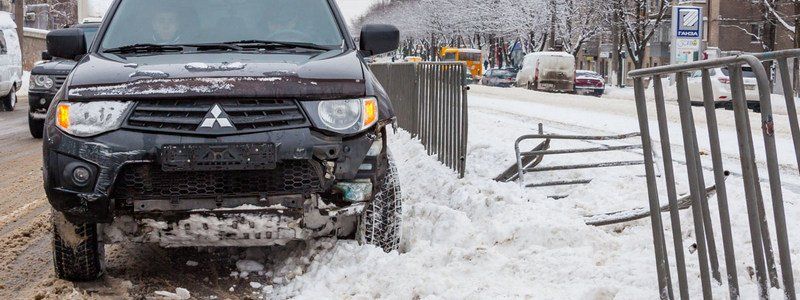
(344,116)
(86,119)
(42,81)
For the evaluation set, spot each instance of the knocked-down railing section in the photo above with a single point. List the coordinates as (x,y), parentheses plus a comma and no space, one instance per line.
(430,100)
(538,153)
(765,263)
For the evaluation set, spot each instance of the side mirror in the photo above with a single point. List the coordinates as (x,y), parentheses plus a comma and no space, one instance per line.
(68,43)
(378,39)
(46,56)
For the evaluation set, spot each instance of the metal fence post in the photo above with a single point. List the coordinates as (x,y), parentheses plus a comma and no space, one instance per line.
(672,194)
(659,244)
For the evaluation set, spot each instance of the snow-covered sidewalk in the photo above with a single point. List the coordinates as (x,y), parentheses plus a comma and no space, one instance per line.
(476,238)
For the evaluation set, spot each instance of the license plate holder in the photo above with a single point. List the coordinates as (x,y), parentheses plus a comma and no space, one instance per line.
(218,157)
(548,86)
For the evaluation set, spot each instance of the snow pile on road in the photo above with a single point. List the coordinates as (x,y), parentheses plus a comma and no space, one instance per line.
(475,238)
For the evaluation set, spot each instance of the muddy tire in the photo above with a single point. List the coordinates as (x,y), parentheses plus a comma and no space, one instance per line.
(10,100)
(36,127)
(381,220)
(77,252)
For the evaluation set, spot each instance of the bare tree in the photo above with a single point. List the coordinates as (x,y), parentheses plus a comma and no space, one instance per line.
(640,20)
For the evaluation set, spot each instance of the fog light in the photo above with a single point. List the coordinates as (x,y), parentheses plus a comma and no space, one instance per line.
(81,176)
(43,101)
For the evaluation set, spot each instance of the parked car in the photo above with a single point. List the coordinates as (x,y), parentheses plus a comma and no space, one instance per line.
(499,77)
(243,135)
(589,83)
(10,62)
(720,86)
(548,71)
(47,78)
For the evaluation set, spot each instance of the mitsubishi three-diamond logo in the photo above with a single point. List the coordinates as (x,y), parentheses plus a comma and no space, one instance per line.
(216,116)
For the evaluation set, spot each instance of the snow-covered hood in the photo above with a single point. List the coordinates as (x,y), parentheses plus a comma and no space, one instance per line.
(293,75)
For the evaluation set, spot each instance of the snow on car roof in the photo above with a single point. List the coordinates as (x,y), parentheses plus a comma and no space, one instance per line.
(6,21)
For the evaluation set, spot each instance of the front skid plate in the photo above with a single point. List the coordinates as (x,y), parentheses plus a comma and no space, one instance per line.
(232,228)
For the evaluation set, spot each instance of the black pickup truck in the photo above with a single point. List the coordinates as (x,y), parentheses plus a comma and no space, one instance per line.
(218,123)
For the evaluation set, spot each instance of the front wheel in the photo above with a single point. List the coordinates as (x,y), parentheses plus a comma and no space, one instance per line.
(36,127)
(381,220)
(77,252)
(10,100)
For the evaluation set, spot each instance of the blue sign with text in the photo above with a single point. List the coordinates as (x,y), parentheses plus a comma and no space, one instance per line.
(689,22)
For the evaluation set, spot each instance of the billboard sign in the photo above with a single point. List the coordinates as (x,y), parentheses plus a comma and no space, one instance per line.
(687,34)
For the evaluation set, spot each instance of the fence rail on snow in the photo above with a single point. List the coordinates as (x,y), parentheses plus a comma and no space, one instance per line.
(430,100)
(765,263)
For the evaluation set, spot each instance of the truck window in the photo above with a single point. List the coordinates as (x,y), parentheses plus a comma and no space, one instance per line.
(181,22)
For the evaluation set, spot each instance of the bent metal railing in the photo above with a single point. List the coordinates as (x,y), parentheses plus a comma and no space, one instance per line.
(766,272)
(430,100)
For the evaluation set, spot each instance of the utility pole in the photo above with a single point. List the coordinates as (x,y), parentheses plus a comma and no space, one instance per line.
(553,12)
(713,22)
(616,62)
(19,18)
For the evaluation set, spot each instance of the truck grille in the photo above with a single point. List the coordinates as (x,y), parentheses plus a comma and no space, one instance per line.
(149,182)
(246,115)
(59,81)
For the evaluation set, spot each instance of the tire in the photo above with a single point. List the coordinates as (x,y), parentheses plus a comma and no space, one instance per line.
(10,100)
(77,253)
(381,220)
(36,127)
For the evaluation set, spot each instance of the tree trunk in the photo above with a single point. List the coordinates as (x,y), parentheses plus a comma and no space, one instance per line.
(795,67)
(19,19)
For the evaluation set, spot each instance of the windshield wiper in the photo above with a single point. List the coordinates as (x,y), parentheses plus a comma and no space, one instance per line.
(144,48)
(214,46)
(277,44)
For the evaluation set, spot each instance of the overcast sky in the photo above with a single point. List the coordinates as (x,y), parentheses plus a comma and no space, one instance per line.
(353,8)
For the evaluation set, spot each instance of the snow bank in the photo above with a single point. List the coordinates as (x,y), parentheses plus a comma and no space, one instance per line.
(474,238)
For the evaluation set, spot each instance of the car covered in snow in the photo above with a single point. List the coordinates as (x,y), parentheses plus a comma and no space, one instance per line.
(47,78)
(205,123)
(10,62)
(589,83)
(548,71)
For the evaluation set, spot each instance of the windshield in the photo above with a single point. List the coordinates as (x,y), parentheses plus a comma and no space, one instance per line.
(183,22)
(503,74)
(469,56)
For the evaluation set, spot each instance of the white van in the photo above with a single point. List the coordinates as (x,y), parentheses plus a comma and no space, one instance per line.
(548,71)
(10,61)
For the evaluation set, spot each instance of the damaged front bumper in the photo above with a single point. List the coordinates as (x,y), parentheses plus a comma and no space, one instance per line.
(244,226)
(338,165)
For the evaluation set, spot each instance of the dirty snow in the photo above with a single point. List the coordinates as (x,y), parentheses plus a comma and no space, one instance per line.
(179,294)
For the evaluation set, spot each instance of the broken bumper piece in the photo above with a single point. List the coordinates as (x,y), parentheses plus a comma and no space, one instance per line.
(244,226)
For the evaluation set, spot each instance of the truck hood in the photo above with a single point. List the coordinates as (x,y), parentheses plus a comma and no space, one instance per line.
(305,76)
(54,67)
